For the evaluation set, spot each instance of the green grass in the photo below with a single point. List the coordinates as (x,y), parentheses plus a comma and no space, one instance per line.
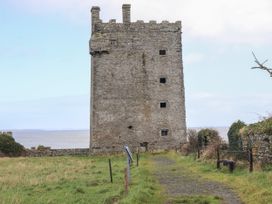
(252,188)
(74,180)
(86,180)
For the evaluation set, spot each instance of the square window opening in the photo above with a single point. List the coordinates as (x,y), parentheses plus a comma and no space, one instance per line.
(164,132)
(162,80)
(113,42)
(162,52)
(162,104)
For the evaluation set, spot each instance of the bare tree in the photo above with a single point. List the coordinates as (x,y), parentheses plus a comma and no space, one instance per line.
(261,65)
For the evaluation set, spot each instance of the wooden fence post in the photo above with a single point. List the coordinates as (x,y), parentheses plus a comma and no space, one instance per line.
(250,155)
(198,152)
(110,171)
(218,158)
(231,166)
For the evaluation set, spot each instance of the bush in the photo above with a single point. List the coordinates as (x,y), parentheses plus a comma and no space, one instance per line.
(192,144)
(43,148)
(209,140)
(193,141)
(207,137)
(9,147)
(235,140)
(263,127)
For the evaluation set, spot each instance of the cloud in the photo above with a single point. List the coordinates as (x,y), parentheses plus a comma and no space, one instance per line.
(243,21)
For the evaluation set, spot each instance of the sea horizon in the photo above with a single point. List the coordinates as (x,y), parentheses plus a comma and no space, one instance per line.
(70,138)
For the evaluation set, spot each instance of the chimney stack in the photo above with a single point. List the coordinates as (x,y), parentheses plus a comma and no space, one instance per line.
(126,13)
(95,16)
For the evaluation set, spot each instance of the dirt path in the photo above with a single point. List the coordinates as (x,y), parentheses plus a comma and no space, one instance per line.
(179,182)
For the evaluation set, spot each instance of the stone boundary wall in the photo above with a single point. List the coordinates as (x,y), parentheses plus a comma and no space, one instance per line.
(262,147)
(56,152)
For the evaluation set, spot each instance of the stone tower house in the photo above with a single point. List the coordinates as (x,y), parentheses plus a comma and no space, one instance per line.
(137,89)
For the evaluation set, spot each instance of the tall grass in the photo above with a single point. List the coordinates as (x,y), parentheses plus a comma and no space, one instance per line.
(74,180)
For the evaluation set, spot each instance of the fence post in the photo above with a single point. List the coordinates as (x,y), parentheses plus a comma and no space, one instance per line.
(250,155)
(198,152)
(110,171)
(218,158)
(137,159)
(231,166)
(126,180)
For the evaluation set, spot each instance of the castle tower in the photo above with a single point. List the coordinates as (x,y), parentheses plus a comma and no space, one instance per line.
(137,88)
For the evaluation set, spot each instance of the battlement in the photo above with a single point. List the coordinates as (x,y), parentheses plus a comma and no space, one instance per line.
(99,26)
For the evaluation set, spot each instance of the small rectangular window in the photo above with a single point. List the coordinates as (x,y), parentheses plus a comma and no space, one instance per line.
(113,42)
(162,104)
(162,80)
(164,132)
(162,52)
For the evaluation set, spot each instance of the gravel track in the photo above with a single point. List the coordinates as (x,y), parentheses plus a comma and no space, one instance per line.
(178,182)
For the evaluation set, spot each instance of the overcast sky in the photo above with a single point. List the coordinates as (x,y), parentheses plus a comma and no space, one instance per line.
(45,65)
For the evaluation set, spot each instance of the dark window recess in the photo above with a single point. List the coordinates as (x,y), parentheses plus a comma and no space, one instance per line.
(266,140)
(113,42)
(164,132)
(162,80)
(130,127)
(162,52)
(163,104)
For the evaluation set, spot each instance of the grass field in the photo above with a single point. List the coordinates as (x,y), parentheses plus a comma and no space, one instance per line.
(74,180)
(86,180)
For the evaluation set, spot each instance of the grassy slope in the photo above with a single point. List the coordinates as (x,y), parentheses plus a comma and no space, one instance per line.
(74,180)
(252,188)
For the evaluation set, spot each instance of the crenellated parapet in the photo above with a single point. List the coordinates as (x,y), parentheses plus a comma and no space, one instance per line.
(106,35)
(127,25)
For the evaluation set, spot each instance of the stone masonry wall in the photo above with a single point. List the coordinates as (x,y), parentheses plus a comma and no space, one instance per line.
(262,147)
(56,152)
(126,90)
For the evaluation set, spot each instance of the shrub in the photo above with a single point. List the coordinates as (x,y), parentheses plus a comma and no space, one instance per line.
(263,127)
(235,140)
(42,148)
(9,147)
(210,140)
(208,136)
(191,145)
(193,141)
